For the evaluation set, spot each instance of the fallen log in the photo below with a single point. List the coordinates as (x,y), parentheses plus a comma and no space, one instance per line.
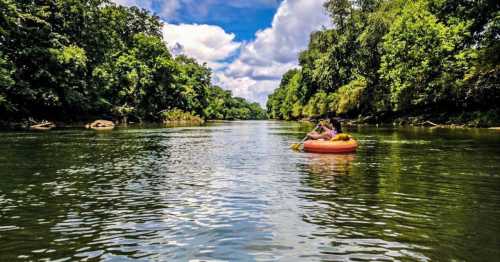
(429,123)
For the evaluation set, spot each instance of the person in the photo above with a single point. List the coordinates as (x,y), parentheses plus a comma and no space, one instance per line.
(330,130)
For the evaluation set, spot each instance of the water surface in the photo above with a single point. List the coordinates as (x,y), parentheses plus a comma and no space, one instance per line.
(235,192)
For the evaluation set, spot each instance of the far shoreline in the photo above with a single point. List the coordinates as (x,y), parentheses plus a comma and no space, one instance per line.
(24,125)
(348,123)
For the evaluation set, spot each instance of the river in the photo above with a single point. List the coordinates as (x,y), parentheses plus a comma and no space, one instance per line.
(235,192)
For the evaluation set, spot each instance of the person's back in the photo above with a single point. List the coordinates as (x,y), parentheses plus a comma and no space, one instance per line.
(330,129)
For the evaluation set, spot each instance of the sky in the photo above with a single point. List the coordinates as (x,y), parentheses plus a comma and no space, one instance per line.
(248,44)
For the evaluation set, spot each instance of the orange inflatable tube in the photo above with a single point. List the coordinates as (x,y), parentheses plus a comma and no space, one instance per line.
(330,147)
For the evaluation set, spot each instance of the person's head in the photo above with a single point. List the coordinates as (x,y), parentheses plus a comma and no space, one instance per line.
(336,125)
(326,123)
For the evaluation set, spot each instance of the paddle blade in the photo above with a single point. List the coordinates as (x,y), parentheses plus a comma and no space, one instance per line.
(295,147)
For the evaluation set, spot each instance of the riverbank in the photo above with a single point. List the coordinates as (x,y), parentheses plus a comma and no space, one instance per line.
(25,125)
(490,119)
(359,122)
(443,121)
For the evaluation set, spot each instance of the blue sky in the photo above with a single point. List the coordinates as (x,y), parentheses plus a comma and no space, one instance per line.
(248,44)
(243,21)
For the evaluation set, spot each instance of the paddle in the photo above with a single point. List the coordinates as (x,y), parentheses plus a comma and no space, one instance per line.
(296,147)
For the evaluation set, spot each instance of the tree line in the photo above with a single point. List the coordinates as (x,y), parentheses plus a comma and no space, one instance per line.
(385,59)
(72,60)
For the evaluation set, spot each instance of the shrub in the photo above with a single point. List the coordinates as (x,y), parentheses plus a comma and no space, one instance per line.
(177,116)
(348,98)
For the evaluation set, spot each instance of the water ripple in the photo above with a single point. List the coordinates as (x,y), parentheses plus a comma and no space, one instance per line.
(235,192)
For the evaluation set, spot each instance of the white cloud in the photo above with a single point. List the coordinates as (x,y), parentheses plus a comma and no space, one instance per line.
(257,70)
(207,43)
(254,3)
(264,71)
(275,49)
(167,9)
(246,87)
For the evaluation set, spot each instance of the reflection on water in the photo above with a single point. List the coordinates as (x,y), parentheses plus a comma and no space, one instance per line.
(234,191)
(329,164)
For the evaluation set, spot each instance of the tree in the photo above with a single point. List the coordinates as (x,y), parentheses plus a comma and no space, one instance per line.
(222,105)
(6,82)
(398,58)
(78,59)
(339,10)
(418,56)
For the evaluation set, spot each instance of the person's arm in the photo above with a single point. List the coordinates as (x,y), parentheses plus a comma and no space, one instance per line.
(326,129)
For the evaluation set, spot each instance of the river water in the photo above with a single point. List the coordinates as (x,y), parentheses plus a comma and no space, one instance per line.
(236,192)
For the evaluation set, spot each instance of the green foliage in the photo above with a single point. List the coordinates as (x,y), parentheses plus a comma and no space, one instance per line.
(284,103)
(74,59)
(71,56)
(340,10)
(318,104)
(6,82)
(397,57)
(179,116)
(222,105)
(348,98)
(418,52)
